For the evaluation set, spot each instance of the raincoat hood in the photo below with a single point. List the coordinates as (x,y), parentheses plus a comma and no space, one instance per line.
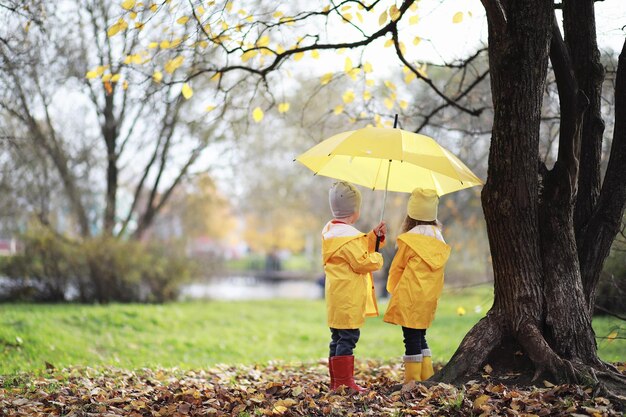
(432,251)
(335,235)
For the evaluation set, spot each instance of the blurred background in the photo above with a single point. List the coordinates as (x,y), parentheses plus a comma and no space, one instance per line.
(115,189)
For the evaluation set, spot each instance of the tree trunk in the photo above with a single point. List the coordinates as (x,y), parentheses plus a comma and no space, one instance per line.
(540,306)
(110,133)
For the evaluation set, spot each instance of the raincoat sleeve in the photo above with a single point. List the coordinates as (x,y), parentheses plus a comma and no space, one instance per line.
(371,241)
(397,266)
(361,261)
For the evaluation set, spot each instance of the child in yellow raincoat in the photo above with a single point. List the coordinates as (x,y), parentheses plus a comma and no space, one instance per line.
(416,280)
(349,258)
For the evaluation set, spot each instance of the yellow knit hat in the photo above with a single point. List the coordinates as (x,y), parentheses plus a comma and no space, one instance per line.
(423,205)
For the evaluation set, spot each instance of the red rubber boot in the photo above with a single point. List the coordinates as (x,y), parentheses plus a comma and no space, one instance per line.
(343,370)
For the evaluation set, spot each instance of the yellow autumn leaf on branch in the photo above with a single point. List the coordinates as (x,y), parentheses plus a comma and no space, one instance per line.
(187,91)
(278,14)
(338,109)
(417,40)
(394,13)
(388,103)
(263,41)
(182,20)
(257,114)
(367,68)
(359,16)
(91,75)
(348,65)
(298,56)
(326,78)
(136,59)
(128,4)
(106,77)
(315,54)
(173,64)
(388,43)
(354,72)
(382,18)
(404,104)
(283,107)
(370,82)
(460,311)
(391,85)
(154,8)
(367,95)
(414,19)
(249,55)
(157,76)
(200,11)
(413,7)
(116,28)
(347,17)
(458,17)
(348,96)
(209,108)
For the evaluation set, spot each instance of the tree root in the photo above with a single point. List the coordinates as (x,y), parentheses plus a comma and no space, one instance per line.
(605,380)
(473,352)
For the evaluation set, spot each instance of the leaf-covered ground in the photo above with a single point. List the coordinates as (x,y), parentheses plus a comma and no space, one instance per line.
(278,390)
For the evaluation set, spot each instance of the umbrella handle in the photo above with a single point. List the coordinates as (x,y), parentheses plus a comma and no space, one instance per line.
(382,214)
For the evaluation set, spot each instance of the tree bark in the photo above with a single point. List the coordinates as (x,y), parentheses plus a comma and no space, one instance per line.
(110,134)
(580,36)
(518,65)
(605,221)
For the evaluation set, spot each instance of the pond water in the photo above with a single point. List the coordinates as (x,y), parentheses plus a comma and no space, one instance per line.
(250,288)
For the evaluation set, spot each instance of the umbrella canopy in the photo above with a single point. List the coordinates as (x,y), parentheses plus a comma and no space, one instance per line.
(389,159)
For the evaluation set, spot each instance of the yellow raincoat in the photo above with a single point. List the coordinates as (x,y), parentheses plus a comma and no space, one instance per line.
(416,280)
(349,258)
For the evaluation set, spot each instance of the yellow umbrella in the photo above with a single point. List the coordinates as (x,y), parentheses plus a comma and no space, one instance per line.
(389,159)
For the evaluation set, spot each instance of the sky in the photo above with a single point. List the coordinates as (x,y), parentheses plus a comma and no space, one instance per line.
(444,41)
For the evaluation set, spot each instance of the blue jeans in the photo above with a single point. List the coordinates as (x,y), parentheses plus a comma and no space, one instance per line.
(343,341)
(414,341)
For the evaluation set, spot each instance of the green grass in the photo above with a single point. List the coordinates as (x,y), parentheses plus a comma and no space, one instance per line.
(200,334)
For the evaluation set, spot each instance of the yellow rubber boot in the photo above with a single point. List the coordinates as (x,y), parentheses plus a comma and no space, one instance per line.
(427,365)
(412,368)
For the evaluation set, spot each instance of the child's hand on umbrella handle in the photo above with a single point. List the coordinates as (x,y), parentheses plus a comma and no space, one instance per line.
(381,230)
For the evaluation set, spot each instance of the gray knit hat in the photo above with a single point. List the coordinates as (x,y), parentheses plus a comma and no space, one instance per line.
(344,199)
